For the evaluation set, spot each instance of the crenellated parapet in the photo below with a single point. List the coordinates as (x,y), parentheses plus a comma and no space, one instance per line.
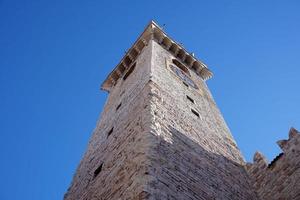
(292,143)
(280,179)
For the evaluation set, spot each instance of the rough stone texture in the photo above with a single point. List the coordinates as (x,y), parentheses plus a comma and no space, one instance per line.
(279,180)
(159,137)
(124,152)
(158,148)
(191,157)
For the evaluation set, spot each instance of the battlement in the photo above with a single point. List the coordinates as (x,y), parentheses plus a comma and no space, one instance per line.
(280,179)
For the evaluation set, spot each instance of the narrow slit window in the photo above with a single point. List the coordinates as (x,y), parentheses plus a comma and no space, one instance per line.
(110,132)
(118,106)
(184,83)
(129,72)
(190,99)
(195,112)
(98,170)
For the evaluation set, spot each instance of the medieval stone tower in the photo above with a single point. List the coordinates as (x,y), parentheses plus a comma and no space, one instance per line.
(161,135)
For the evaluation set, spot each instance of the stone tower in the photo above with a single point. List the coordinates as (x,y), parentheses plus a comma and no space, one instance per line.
(161,135)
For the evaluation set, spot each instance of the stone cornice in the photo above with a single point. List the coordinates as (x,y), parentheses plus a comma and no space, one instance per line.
(153,31)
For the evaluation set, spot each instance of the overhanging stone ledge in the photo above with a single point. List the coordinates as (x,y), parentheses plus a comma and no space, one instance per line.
(153,31)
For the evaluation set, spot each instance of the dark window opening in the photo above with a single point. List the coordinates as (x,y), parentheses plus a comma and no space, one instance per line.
(181,66)
(195,112)
(129,72)
(98,170)
(118,106)
(184,83)
(110,132)
(189,98)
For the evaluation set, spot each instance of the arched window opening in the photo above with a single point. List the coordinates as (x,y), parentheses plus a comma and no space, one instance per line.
(181,66)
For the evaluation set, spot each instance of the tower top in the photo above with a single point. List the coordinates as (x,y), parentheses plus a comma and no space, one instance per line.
(155,32)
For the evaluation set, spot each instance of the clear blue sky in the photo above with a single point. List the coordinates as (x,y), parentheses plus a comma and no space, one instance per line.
(55,54)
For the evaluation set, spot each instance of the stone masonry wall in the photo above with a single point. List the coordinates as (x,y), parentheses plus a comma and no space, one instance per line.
(279,180)
(191,157)
(158,148)
(120,156)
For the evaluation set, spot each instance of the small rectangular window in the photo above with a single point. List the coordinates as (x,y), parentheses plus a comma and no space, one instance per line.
(184,83)
(195,112)
(98,170)
(110,132)
(189,98)
(118,106)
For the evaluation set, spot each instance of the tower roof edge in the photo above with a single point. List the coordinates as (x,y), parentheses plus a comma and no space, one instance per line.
(155,32)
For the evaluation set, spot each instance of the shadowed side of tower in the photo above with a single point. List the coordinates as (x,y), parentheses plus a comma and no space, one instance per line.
(161,135)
